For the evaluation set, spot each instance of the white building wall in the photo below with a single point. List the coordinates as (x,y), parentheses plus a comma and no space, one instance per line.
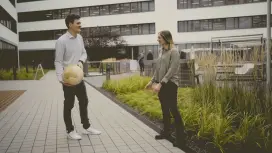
(165,16)
(6,34)
(9,8)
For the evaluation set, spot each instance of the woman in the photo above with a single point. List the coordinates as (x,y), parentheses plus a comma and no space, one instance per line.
(165,82)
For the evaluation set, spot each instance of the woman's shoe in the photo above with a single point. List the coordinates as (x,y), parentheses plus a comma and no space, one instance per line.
(163,135)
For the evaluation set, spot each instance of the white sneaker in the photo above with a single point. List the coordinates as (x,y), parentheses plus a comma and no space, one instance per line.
(74,135)
(91,130)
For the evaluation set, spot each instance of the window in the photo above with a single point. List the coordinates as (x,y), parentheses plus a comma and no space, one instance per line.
(152,6)
(182,26)
(7,20)
(259,21)
(115,30)
(57,14)
(218,2)
(58,33)
(105,31)
(205,25)
(104,10)
(135,29)
(84,12)
(145,29)
(193,26)
(182,4)
(152,29)
(193,3)
(75,11)
(85,32)
(231,2)
(95,31)
(219,24)
(87,11)
(145,6)
(245,22)
(94,11)
(125,30)
(232,23)
(205,3)
(125,8)
(65,13)
(135,7)
(22,1)
(114,9)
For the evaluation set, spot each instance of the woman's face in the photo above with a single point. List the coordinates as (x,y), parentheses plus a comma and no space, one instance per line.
(161,40)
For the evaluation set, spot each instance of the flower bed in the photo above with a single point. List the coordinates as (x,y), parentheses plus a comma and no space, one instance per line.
(229,120)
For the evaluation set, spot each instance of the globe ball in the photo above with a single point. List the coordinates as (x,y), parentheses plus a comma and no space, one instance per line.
(72,74)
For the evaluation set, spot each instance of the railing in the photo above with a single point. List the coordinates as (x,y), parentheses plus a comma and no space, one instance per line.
(187,75)
(99,67)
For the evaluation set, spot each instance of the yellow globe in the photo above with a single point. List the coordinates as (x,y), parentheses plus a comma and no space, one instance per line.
(72,74)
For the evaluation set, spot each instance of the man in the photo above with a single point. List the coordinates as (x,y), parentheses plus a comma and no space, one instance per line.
(70,50)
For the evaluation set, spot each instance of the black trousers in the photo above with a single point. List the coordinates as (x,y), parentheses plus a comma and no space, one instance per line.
(141,67)
(69,99)
(168,99)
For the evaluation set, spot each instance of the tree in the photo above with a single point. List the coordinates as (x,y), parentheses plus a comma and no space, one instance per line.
(101,43)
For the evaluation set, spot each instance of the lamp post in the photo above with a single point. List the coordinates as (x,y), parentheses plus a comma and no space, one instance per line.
(268,58)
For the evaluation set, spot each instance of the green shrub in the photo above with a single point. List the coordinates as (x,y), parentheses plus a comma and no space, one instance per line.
(21,75)
(127,85)
(222,116)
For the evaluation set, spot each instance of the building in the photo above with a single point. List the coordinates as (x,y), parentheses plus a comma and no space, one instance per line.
(8,34)
(192,22)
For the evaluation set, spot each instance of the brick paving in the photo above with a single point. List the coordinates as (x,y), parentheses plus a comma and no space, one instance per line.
(9,96)
(34,123)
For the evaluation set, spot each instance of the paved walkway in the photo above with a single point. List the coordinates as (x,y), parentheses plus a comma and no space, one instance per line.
(34,123)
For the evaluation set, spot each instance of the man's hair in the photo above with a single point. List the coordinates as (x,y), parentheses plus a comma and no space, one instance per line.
(70,19)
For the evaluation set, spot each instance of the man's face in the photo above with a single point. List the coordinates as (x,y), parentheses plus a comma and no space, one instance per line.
(76,26)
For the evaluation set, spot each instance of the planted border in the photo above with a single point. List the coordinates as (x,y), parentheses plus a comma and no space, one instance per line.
(215,118)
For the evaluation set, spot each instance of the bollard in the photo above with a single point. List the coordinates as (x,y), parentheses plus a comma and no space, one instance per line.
(14,73)
(26,68)
(85,69)
(108,71)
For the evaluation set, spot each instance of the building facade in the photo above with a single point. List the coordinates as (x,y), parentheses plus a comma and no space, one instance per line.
(8,34)
(192,22)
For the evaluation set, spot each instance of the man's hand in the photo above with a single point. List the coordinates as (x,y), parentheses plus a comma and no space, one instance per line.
(65,84)
(80,64)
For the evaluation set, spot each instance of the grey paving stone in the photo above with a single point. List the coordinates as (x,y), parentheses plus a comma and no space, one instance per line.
(63,150)
(87,149)
(75,149)
(35,120)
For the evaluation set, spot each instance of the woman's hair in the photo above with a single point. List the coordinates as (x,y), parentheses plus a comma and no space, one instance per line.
(167,36)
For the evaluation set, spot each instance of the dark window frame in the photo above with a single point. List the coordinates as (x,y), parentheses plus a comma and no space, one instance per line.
(27,16)
(51,34)
(188,4)
(236,22)
(7,20)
